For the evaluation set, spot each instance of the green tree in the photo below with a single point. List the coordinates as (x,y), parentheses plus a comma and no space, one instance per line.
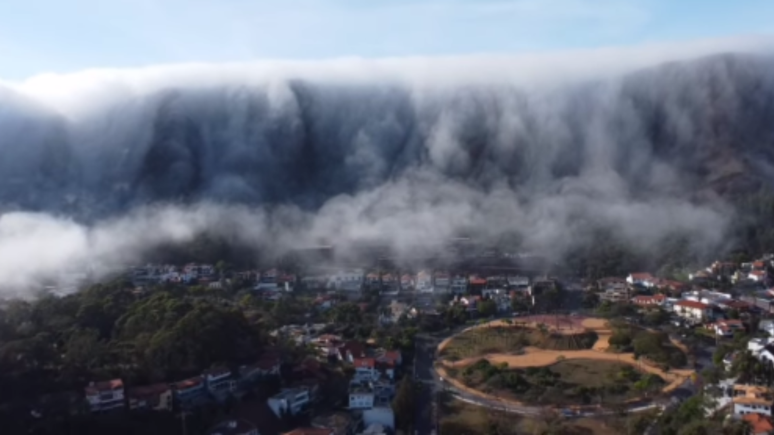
(404,404)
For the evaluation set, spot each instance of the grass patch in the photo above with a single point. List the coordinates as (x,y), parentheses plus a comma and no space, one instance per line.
(501,339)
(567,382)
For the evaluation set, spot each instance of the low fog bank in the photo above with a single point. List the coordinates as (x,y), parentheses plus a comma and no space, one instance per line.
(125,163)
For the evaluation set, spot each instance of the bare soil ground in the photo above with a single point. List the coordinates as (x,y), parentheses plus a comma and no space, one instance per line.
(534,357)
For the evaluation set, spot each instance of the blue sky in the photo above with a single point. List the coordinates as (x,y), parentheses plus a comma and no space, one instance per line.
(40,36)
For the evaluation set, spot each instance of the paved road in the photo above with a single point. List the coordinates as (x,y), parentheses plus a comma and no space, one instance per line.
(426,418)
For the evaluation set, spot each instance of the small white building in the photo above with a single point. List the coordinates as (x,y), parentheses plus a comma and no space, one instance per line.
(693,311)
(347,280)
(361,396)
(459,285)
(293,400)
(424,281)
(643,279)
(757,345)
(104,396)
(757,275)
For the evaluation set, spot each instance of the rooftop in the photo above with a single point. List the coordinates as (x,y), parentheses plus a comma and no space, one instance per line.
(98,387)
(148,391)
(759,423)
(232,427)
(692,304)
(309,431)
(188,383)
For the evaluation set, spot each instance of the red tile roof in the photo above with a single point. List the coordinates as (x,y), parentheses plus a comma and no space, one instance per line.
(692,304)
(97,387)
(641,276)
(354,348)
(309,431)
(188,383)
(760,424)
(365,362)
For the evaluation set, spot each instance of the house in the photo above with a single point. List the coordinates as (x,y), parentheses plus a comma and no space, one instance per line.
(767,326)
(340,423)
(477,281)
(267,280)
(219,382)
(615,295)
(310,431)
(390,360)
(700,275)
(424,281)
(757,345)
(726,328)
(752,399)
(234,427)
(733,304)
(649,300)
(292,400)
(104,396)
(760,300)
(372,279)
(708,297)
(351,350)
(643,279)
(365,369)
(459,285)
(757,275)
(406,282)
(693,311)
(441,281)
(361,395)
(347,280)
(518,281)
(760,424)
(613,283)
(767,353)
(156,397)
(190,391)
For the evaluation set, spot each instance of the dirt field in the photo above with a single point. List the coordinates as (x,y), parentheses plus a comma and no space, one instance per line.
(534,357)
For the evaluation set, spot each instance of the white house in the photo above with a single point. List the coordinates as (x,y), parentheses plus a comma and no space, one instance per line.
(219,381)
(442,281)
(293,400)
(459,285)
(693,311)
(424,281)
(361,396)
(767,326)
(365,369)
(518,281)
(708,297)
(267,280)
(234,427)
(643,279)
(727,328)
(757,345)
(347,280)
(749,399)
(189,390)
(104,396)
(757,275)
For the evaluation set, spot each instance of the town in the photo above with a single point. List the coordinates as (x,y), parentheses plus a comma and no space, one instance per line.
(351,350)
